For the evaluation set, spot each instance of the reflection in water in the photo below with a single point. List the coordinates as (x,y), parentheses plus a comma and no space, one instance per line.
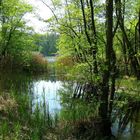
(125,118)
(127,122)
(40,88)
(43,89)
(48,91)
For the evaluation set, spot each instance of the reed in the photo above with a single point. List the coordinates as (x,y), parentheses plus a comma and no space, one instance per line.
(19,121)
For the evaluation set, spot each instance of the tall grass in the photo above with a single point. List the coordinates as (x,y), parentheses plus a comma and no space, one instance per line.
(31,62)
(19,122)
(36,63)
(64,64)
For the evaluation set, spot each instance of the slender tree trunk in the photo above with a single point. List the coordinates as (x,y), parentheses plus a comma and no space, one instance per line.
(110,69)
(109,49)
(124,44)
(131,52)
(93,38)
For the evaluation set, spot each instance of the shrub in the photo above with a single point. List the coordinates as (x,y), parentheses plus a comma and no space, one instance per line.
(27,61)
(64,64)
(36,63)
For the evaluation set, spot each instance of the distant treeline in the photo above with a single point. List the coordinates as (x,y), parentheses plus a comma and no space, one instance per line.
(47,44)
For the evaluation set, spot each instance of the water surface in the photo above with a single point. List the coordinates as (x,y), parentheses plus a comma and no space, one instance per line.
(46,89)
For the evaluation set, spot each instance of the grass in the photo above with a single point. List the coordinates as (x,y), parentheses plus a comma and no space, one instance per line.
(18,122)
(64,64)
(21,122)
(32,62)
(128,86)
(36,63)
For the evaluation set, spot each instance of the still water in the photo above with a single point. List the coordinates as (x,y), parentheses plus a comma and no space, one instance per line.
(46,89)
(40,88)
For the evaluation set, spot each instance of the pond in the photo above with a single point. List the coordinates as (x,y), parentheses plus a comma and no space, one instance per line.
(51,59)
(40,88)
(46,89)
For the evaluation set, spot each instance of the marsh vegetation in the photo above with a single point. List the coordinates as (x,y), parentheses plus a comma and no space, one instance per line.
(78,81)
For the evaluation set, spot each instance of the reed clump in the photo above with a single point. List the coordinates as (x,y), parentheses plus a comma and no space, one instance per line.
(19,121)
(63,64)
(31,62)
(36,63)
(7,103)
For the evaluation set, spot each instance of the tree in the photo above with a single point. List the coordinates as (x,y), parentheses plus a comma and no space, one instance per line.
(97,39)
(47,43)
(130,48)
(12,24)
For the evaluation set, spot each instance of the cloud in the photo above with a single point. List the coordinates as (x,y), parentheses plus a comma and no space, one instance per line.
(40,13)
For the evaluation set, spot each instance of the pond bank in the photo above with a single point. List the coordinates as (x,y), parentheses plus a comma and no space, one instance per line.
(41,108)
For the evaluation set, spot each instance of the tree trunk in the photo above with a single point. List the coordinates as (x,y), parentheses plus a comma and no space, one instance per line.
(110,67)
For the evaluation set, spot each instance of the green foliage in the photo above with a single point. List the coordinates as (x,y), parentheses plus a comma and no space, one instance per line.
(17,40)
(128,86)
(35,62)
(13,27)
(47,44)
(19,122)
(64,64)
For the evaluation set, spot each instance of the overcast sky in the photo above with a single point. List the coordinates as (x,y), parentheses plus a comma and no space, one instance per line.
(41,11)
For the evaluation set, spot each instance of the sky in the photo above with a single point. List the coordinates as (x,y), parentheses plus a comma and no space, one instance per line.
(40,12)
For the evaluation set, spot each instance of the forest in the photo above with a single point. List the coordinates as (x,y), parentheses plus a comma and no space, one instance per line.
(78,80)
